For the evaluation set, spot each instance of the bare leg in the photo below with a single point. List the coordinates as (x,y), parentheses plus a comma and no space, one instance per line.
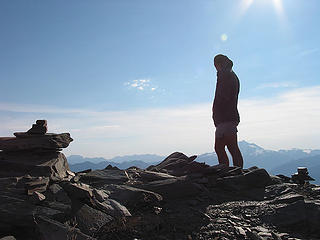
(232,144)
(219,147)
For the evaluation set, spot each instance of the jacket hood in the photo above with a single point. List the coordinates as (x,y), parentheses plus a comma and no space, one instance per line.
(224,62)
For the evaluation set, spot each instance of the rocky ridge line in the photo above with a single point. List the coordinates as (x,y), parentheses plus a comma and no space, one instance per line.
(176,199)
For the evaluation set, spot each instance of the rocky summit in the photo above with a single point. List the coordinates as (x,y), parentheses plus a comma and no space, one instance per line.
(41,199)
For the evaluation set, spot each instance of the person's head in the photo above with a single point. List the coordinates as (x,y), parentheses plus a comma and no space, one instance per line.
(222,63)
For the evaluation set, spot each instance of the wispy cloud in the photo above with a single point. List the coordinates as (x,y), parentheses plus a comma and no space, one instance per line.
(141,84)
(309,52)
(285,121)
(278,85)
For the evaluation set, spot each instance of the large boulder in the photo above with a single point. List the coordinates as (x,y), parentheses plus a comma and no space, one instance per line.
(255,178)
(178,164)
(133,197)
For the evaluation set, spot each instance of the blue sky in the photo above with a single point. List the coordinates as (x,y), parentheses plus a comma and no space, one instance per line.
(128,77)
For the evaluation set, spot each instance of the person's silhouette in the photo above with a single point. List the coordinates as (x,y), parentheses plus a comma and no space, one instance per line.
(225,112)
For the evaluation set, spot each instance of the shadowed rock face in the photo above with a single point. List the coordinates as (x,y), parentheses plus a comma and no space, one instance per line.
(176,199)
(34,163)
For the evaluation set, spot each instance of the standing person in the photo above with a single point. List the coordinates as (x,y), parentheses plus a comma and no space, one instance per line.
(225,112)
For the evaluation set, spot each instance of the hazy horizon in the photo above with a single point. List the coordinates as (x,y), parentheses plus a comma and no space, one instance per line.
(137,77)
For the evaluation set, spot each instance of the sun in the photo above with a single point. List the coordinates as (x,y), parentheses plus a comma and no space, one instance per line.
(278,6)
(276,3)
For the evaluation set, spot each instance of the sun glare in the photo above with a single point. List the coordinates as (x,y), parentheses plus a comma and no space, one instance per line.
(278,6)
(246,4)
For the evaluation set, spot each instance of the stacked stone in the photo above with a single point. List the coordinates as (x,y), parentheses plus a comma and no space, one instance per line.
(41,199)
(34,153)
(39,128)
(302,176)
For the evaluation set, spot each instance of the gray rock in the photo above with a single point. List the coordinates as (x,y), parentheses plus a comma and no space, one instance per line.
(90,220)
(100,195)
(241,232)
(25,141)
(112,208)
(53,230)
(132,196)
(252,235)
(105,177)
(38,184)
(8,238)
(78,191)
(288,198)
(178,164)
(148,176)
(37,197)
(275,236)
(299,215)
(173,188)
(57,193)
(20,213)
(62,207)
(257,178)
(45,164)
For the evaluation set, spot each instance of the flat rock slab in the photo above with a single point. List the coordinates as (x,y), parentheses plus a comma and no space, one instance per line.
(173,188)
(112,208)
(105,177)
(289,198)
(78,190)
(49,164)
(51,230)
(132,196)
(257,178)
(27,142)
(20,213)
(147,176)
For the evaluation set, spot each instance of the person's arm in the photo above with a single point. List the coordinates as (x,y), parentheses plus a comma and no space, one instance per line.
(223,89)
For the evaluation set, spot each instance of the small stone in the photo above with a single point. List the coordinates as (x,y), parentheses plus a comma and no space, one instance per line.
(221,220)
(37,197)
(157,210)
(8,238)
(241,231)
(71,173)
(252,235)
(39,184)
(275,236)
(42,122)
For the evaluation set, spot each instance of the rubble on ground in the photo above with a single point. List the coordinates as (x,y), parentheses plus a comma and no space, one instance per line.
(176,199)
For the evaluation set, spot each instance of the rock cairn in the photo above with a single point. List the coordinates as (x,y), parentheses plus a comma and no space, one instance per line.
(34,153)
(302,176)
(179,198)
(39,128)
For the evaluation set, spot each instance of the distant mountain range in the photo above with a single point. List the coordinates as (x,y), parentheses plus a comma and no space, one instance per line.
(275,162)
(78,163)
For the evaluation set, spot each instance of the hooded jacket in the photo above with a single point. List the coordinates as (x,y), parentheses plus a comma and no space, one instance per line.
(225,102)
